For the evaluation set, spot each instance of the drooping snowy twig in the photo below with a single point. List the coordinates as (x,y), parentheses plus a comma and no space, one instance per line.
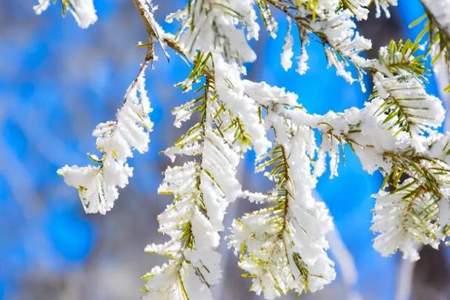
(98,184)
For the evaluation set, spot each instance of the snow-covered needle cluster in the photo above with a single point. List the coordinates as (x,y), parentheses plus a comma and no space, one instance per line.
(98,184)
(202,188)
(282,245)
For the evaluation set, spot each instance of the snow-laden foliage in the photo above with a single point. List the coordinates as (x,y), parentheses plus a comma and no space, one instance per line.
(215,26)
(344,43)
(411,207)
(403,99)
(98,184)
(202,190)
(234,92)
(395,133)
(407,212)
(281,246)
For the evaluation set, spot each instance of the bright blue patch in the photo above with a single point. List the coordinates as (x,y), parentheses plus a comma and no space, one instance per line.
(69,234)
(15,137)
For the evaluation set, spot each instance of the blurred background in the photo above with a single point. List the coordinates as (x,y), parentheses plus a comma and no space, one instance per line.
(58,81)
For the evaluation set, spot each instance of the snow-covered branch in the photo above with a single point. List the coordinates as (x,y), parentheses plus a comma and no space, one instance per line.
(202,190)
(282,246)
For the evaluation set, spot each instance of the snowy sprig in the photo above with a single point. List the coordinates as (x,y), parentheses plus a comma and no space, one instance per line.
(399,227)
(232,90)
(193,263)
(401,58)
(406,106)
(282,247)
(202,190)
(406,214)
(98,184)
(345,44)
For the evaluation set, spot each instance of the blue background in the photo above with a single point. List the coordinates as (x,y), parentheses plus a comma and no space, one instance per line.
(58,81)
